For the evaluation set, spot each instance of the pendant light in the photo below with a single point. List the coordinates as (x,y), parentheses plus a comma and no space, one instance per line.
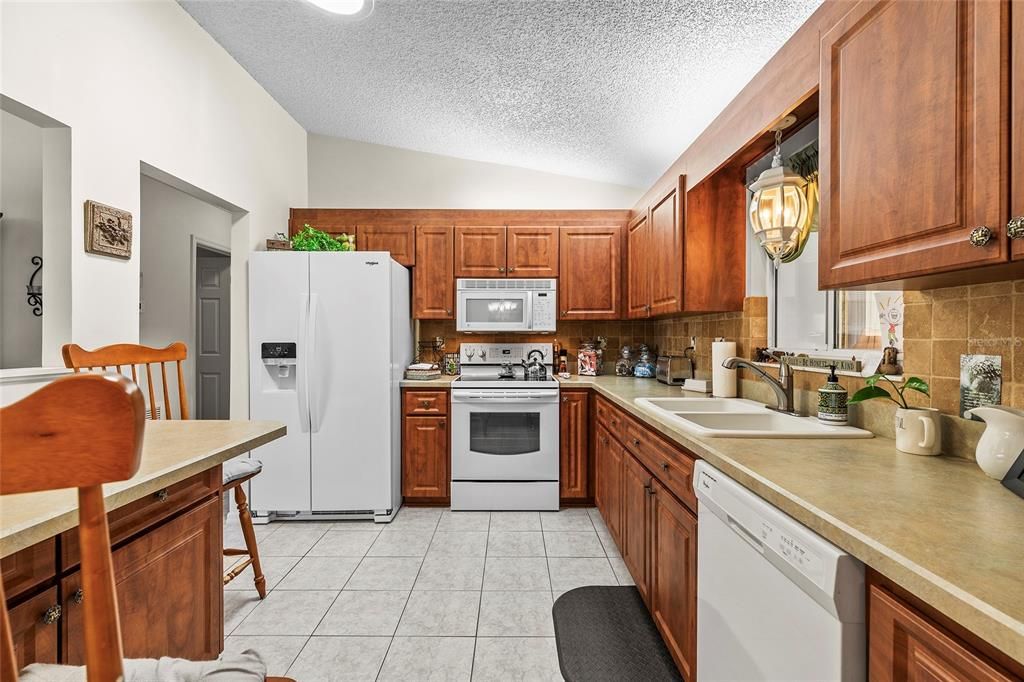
(778,209)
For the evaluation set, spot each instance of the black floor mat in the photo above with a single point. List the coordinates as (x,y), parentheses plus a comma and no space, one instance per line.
(606,633)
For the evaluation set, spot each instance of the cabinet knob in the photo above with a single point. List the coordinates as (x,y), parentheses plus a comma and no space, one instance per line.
(511,269)
(161,494)
(52,614)
(564,313)
(664,466)
(980,236)
(604,441)
(447,311)
(636,441)
(78,597)
(442,425)
(425,403)
(501,269)
(1015,228)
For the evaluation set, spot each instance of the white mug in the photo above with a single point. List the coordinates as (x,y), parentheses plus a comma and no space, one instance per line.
(918,431)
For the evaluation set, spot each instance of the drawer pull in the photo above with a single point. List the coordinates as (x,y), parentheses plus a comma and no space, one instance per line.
(424,403)
(161,494)
(51,615)
(1015,228)
(980,236)
(78,596)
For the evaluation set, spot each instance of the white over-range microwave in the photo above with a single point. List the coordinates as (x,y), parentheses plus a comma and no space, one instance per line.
(506,305)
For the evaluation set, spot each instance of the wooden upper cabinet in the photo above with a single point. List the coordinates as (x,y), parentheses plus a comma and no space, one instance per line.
(532,251)
(665,254)
(433,287)
(399,240)
(479,251)
(904,645)
(1017,123)
(913,139)
(715,252)
(638,281)
(573,446)
(590,273)
(674,577)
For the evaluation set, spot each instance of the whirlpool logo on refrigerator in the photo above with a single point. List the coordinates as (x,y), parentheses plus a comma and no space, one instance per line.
(371,262)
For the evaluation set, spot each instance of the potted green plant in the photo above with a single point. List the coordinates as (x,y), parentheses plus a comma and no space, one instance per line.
(918,431)
(311,239)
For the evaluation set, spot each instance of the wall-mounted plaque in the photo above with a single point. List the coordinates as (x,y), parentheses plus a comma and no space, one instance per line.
(108,230)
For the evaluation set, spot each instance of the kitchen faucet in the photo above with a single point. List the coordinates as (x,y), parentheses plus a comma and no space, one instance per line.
(782,387)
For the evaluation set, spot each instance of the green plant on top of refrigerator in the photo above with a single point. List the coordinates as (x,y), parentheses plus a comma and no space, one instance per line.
(312,239)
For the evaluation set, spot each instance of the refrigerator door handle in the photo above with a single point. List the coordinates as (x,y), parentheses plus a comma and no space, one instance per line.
(302,375)
(313,372)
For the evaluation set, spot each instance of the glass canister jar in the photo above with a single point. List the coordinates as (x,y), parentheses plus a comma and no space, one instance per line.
(644,367)
(624,365)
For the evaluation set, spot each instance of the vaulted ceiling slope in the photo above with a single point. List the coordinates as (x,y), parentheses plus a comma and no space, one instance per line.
(610,90)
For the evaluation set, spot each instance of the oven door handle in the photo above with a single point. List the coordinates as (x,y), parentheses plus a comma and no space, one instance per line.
(484,397)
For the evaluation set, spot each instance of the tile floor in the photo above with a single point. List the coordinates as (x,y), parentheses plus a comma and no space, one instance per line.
(434,595)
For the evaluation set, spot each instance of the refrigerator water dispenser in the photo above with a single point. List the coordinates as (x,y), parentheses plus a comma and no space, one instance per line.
(280,361)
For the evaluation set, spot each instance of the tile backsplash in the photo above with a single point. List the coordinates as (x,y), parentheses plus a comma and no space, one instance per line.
(939,326)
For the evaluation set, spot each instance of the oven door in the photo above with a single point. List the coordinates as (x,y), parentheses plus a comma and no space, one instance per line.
(494,310)
(500,435)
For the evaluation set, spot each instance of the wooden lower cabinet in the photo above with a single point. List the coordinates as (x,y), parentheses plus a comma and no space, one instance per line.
(34,627)
(425,447)
(573,475)
(673,587)
(171,603)
(636,522)
(903,644)
(608,463)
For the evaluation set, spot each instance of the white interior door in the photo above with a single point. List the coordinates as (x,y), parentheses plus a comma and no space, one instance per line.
(213,335)
(350,381)
(278,305)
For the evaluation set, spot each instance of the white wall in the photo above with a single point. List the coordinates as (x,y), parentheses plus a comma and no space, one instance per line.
(349,174)
(21,238)
(142,82)
(170,219)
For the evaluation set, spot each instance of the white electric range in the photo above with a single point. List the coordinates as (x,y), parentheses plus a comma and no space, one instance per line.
(505,435)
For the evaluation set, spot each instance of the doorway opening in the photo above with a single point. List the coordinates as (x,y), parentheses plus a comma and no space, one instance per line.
(212,336)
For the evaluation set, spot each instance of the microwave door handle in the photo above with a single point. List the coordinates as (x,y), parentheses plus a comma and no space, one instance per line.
(528,309)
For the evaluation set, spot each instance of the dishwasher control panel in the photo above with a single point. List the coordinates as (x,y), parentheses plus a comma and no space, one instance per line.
(759,529)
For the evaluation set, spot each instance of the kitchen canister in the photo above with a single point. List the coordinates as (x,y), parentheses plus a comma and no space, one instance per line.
(723,381)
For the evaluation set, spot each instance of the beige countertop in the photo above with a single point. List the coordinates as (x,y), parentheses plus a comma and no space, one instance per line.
(171,452)
(444,382)
(937,526)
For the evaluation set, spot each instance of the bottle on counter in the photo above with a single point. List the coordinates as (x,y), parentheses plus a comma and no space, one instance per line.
(832,397)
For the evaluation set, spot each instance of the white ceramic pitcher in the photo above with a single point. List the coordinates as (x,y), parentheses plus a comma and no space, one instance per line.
(1003,439)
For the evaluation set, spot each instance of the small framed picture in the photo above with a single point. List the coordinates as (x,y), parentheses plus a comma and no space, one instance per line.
(108,230)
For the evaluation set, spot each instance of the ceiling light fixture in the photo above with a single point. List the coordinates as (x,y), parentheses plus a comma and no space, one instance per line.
(350,9)
(778,210)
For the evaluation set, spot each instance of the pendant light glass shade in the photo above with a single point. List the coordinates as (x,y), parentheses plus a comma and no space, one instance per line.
(779,212)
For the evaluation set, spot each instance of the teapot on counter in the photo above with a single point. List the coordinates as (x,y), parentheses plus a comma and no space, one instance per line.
(1003,439)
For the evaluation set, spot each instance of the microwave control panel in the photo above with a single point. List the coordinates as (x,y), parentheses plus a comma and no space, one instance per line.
(545,310)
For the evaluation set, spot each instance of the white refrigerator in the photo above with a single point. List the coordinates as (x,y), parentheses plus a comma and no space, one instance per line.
(330,336)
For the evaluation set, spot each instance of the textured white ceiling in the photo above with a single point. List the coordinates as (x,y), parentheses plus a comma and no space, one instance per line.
(610,90)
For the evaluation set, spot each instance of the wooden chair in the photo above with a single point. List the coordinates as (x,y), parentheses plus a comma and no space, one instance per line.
(48,444)
(237,472)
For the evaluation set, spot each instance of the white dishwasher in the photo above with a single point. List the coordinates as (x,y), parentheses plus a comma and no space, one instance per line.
(775,601)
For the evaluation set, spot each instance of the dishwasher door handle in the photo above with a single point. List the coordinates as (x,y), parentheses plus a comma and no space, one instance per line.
(746,535)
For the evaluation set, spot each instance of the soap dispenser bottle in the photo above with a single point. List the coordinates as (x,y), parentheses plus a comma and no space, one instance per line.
(832,400)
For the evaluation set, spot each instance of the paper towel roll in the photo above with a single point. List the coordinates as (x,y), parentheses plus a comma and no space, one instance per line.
(723,381)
